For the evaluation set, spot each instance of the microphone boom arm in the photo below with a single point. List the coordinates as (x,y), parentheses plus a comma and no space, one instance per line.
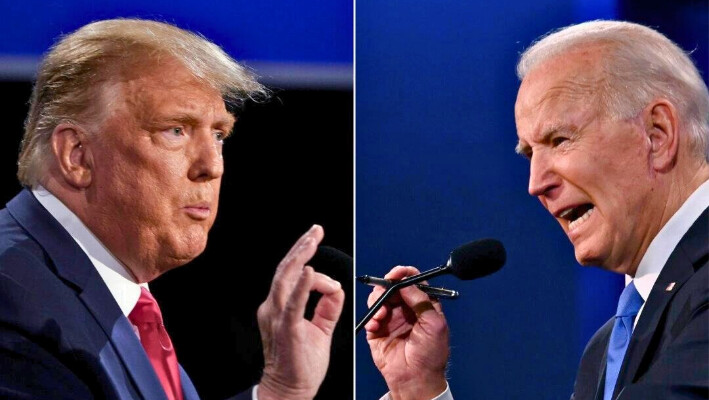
(408,281)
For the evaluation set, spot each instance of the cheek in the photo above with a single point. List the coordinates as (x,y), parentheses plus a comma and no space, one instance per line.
(158,180)
(216,186)
(542,200)
(620,192)
(145,195)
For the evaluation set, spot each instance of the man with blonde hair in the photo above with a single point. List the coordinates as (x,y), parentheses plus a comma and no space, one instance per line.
(614,119)
(122,163)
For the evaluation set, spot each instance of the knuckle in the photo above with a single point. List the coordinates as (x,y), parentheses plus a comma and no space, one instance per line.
(263,311)
(439,327)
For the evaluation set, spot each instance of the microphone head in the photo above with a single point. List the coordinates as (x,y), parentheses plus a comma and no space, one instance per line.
(333,263)
(477,259)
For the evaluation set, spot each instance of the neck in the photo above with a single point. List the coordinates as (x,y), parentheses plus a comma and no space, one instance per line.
(681,186)
(673,191)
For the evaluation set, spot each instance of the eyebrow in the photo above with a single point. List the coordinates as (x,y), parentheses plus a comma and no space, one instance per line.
(522,149)
(225,123)
(525,149)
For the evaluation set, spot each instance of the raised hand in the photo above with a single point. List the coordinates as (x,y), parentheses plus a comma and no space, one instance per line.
(296,350)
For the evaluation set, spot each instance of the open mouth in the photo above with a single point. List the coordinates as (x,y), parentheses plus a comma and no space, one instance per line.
(577,215)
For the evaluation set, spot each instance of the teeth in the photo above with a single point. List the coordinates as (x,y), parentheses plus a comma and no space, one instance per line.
(565,213)
(580,220)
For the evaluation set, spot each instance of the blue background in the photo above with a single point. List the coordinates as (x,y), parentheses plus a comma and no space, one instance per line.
(316,31)
(435,168)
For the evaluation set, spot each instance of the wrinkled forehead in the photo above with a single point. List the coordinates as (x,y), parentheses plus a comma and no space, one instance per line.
(571,74)
(162,87)
(563,85)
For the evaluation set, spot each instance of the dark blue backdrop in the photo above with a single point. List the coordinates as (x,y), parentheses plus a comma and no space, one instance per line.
(268,30)
(304,44)
(435,90)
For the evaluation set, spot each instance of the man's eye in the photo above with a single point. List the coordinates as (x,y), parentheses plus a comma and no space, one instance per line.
(558,140)
(220,136)
(173,135)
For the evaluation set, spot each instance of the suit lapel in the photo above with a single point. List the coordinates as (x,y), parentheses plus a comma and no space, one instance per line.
(188,390)
(678,269)
(600,384)
(74,267)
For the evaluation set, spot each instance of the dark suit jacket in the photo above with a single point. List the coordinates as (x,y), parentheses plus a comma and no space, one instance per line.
(62,335)
(668,354)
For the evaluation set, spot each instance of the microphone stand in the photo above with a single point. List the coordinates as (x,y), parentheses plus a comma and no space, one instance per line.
(408,281)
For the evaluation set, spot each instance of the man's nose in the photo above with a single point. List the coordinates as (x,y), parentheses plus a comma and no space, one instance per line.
(542,177)
(207,161)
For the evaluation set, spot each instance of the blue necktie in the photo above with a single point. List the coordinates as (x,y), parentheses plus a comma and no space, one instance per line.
(628,306)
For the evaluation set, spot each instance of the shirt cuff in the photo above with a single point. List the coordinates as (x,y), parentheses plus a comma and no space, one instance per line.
(446,395)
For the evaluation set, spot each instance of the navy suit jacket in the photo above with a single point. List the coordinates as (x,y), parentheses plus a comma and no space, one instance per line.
(62,335)
(668,354)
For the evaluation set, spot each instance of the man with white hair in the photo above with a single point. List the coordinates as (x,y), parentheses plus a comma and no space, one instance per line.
(122,164)
(614,119)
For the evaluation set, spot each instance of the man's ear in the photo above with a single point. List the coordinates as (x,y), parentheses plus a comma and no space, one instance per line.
(71,152)
(662,130)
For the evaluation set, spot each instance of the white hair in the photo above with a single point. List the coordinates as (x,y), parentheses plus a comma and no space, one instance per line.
(639,65)
(82,62)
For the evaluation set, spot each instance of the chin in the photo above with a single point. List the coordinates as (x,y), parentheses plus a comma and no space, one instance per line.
(175,260)
(587,257)
(191,252)
(586,263)
(183,250)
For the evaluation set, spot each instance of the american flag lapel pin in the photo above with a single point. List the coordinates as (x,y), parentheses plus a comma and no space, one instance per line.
(670,287)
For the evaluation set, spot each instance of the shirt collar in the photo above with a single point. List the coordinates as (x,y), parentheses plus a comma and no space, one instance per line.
(667,239)
(120,281)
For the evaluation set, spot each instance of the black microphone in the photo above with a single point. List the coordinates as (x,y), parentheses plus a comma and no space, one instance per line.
(338,266)
(470,261)
(332,262)
(477,259)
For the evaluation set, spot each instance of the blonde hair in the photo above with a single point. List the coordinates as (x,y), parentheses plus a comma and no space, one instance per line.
(73,69)
(640,65)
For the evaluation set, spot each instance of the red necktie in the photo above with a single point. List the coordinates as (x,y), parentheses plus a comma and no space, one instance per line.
(147,318)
